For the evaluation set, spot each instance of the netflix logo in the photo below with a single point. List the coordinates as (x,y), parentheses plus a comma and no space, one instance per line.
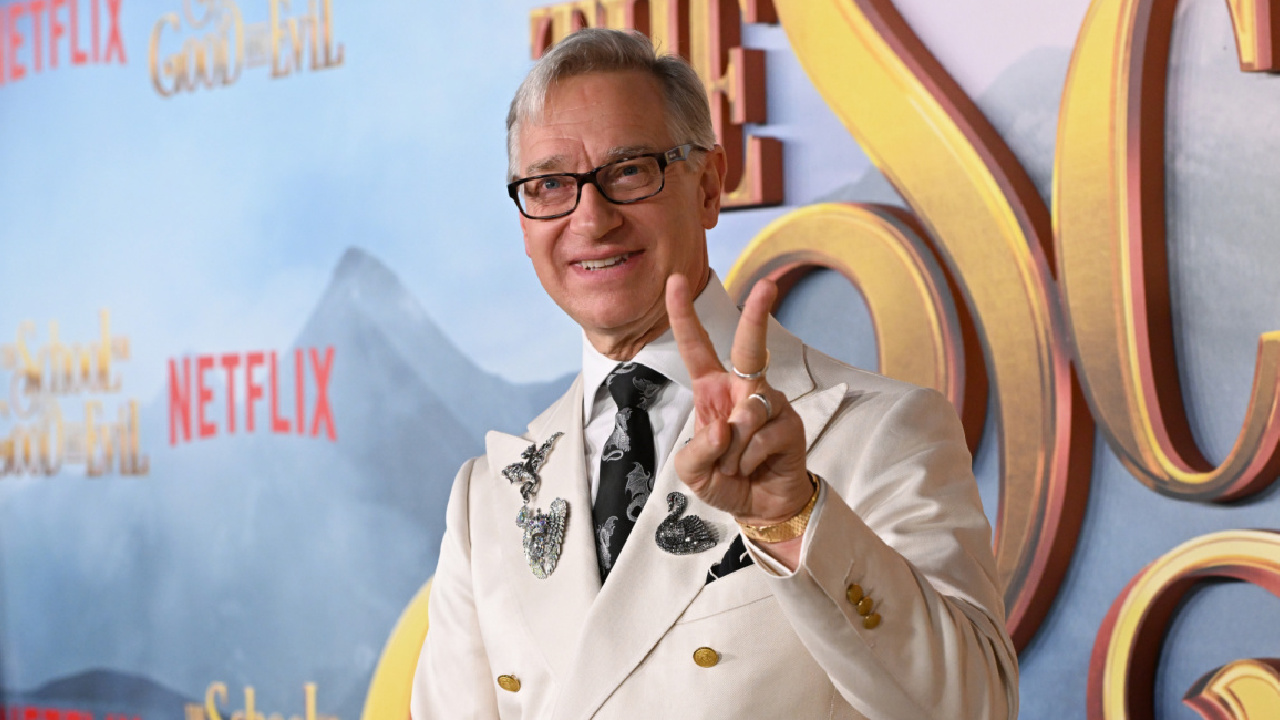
(225,394)
(34,712)
(38,35)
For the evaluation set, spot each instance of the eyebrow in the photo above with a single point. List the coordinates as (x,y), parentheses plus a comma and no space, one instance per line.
(554,163)
(626,151)
(547,164)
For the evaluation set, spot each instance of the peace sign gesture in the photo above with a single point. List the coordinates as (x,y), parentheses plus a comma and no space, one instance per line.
(747,455)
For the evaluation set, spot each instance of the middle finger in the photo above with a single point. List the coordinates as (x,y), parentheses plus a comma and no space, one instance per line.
(750,343)
(749,415)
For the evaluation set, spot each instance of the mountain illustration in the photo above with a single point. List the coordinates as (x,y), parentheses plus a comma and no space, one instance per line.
(264,560)
(102,692)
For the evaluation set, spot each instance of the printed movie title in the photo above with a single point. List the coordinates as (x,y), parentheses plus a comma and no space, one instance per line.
(43,380)
(210,48)
(216,694)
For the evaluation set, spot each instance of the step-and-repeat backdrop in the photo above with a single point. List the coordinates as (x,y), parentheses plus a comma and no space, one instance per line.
(262,291)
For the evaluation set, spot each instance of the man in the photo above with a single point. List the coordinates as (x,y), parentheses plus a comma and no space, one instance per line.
(715,520)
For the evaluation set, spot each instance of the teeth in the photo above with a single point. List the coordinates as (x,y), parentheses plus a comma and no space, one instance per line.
(601,264)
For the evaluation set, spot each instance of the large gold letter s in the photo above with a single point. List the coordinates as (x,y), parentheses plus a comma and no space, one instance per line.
(992,231)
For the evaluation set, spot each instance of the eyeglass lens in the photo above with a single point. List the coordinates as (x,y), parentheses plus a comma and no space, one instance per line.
(623,181)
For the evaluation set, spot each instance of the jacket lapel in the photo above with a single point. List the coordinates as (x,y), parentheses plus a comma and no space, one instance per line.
(553,607)
(789,372)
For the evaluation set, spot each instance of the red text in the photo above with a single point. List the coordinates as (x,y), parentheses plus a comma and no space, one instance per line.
(39,35)
(250,380)
(31,712)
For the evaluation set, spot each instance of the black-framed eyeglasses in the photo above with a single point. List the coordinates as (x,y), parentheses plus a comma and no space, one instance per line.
(621,182)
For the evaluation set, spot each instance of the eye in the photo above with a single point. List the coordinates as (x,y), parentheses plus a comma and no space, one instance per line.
(553,186)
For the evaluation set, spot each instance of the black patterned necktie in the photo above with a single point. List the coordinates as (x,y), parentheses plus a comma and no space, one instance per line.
(627,461)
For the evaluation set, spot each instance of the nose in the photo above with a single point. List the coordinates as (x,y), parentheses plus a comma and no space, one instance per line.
(595,216)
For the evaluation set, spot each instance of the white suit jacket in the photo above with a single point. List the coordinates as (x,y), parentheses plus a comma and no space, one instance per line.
(899,515)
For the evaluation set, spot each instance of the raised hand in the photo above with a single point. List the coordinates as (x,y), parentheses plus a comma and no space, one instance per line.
(747,456)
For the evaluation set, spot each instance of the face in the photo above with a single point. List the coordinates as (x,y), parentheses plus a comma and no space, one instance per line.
(607,265)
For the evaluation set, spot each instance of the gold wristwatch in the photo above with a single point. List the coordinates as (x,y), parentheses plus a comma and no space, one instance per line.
(787,529)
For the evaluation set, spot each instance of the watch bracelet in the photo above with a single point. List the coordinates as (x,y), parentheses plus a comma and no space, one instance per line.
(788,529)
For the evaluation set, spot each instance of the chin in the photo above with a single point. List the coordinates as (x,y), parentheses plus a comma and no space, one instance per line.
(615,320)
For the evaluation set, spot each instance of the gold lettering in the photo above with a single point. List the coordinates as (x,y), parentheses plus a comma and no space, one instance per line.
(707,33)
(45,442)
(735,82)
(881,250)
(29,450)
(51,443)
(1126,653)
(992,231)
(250,713)
(1112,260)
(277,69)
(214,59)
(316,28)
(211,695)
(132,460)
(30,367)
(98,451)
(1240,690)
(61,363)
(102,379)
(630,14)
(24,456)
(25,383)
(669,25)
(309,694)
(333,55)
(550,25)
(169,20)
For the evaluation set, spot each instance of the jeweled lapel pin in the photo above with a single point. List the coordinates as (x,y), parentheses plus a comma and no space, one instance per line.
(683,535)
(543,532)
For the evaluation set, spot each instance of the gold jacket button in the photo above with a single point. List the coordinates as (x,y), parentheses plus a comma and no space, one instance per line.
(872,621)
(864,606)
(854,594)
(509,683)
(706,657)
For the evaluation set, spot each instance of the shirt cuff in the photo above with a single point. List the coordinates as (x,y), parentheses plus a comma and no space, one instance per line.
(770,564)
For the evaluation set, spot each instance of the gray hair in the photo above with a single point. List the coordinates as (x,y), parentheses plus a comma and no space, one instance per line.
(600,50)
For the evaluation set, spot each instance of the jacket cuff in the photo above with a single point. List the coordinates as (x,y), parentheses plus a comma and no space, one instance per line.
(767,562)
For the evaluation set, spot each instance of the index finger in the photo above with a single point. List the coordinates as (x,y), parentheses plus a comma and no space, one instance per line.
(695,345)
(750,352)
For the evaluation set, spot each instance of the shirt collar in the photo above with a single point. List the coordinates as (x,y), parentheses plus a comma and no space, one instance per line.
(719,316)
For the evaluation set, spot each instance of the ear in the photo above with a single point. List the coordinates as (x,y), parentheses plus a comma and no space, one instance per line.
(714,167)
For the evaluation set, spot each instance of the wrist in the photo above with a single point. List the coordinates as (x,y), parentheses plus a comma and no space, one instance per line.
(790,529)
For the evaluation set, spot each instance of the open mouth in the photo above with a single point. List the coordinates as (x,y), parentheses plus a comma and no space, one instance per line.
(605,262)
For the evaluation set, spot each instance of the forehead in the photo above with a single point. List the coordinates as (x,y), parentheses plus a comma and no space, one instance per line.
(589,118)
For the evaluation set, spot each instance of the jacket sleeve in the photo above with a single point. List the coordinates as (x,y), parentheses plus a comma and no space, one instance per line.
(899,516)
(452,679)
